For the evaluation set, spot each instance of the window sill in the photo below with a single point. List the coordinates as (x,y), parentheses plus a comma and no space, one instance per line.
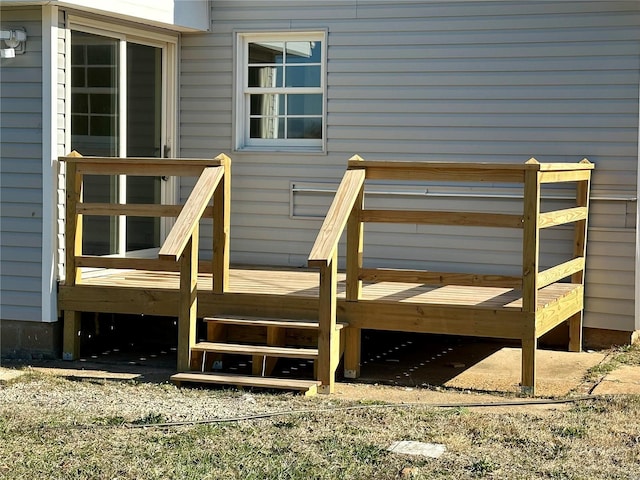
(282,150)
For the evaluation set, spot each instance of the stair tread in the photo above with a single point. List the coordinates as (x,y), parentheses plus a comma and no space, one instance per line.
(245,380)
(268,322)
(267,350)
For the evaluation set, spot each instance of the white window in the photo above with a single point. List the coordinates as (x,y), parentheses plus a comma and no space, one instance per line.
(280,94)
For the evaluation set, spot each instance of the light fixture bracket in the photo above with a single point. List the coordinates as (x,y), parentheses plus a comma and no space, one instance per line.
(15,41)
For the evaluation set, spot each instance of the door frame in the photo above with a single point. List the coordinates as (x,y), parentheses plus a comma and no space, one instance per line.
(168,43)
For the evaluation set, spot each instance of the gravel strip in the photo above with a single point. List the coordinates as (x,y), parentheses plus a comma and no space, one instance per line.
(88,401)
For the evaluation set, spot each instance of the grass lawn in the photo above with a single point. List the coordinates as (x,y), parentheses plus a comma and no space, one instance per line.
(62,429)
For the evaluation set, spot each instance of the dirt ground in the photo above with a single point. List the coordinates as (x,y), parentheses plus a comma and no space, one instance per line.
(396,368)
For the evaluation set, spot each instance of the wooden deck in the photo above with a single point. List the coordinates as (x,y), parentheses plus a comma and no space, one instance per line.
(176,283)
(293,293)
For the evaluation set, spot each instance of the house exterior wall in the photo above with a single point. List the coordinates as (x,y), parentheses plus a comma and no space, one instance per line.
(21,172)
(440,81)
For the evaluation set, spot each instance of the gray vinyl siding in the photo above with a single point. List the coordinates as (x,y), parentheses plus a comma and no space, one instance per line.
(21,172)
(439,81)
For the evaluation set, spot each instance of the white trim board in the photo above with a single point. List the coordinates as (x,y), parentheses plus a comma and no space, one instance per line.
(49,160)
(637,273)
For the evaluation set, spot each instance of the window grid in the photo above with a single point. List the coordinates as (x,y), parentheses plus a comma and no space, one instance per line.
(283,95)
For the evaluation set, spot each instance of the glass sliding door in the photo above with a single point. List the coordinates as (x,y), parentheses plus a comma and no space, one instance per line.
(144,139)
(95,128)
(117,94)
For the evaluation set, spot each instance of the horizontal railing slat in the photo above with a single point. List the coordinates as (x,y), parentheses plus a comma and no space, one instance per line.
(560,217)
(439,278)
(472,219)
(568,176)
(133,210)
(553,274)
(127,263)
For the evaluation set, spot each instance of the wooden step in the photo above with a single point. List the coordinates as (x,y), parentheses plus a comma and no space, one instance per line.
(264,350)
(269,322)
(309,387)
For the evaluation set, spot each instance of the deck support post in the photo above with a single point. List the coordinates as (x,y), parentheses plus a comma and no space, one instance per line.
(221,227)
(263,366)
(216,332)
(355,245)
(73,248)
(530,266)
(188,302)
(352,352)
(71,335)
(529,345)
(575,332)
(579,250)
(328,340)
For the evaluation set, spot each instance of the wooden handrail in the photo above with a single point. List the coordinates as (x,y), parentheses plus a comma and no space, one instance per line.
(191,213)
(471,172)
(334,223)
(324,255)
(113,162)
(150,167)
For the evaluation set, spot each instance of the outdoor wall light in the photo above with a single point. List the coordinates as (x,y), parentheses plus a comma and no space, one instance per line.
(15,41)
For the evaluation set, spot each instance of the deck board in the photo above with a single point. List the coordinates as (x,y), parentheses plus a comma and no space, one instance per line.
(304,283)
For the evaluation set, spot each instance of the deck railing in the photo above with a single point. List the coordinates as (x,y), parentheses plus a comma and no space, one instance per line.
(324,255)
(348,209)
(179,252)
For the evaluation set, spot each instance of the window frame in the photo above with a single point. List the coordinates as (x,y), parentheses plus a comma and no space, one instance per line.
(242,141)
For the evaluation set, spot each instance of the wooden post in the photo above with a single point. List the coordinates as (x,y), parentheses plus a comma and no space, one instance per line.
(575,332)
(71,335)
(73,248)
(579,250)
(328,344)
(216,332)
(355,242)
(262,366)
(276,337)
(530,261)
(188,302)
(221,227)
(528,382)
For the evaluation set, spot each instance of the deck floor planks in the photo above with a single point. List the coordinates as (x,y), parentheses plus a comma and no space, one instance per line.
(304,283)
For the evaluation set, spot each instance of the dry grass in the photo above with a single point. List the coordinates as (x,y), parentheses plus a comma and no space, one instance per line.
(56,428)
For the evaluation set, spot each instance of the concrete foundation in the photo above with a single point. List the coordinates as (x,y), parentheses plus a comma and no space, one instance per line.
(30,340)
(592,338)
(597,338)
